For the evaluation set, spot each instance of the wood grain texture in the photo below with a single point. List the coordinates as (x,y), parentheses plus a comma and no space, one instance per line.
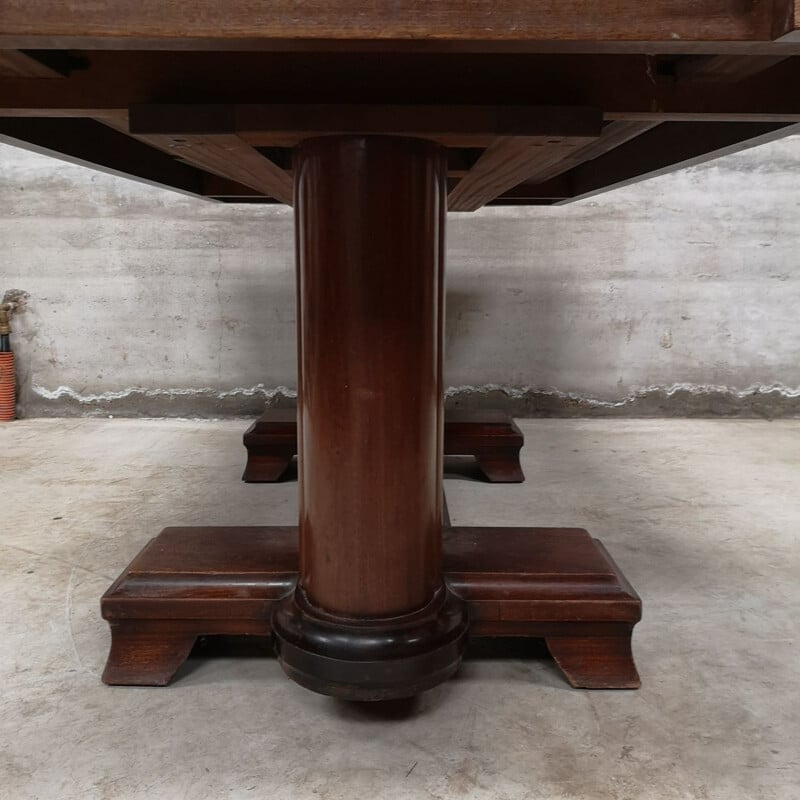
(369,278)
(146,654)
(529,165)
(668,147)
(371,617)
(223,154)
(507,162)
(613,135)
(599,662)
(210,24)
(492,437)
(228,156)
(284,125)
(623,86)
(271,444)
(556,583)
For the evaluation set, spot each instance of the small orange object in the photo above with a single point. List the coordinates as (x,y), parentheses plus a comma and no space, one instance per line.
(7,388)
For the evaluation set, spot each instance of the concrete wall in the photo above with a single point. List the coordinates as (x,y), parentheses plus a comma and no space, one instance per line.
(675,296)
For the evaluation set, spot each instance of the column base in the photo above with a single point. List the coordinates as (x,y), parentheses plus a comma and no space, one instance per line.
(558,584)
(381,659)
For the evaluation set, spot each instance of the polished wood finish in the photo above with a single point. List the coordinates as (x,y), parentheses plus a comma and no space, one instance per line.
(507,162)
(668,146)
(236,114)
(596,662)
(191,582)
(512,167)
(613,135)
(230,157)
(281,125)
(379,622)
(369,278)
(551,583)
(623,86)
(271,444)
(492,437)
(248,24)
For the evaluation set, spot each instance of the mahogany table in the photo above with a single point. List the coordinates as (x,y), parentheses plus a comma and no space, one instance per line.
(373,120)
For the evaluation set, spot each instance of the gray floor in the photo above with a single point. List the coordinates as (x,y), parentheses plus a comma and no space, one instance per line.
(701,515)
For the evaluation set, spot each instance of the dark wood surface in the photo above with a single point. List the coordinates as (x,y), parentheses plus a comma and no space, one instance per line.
(369,278)
(556,584)
(225,155)
(371,617)
(248,24)
(509,161)
(492,437)
(630,86)
(277,125)
(502,110)
(663,148)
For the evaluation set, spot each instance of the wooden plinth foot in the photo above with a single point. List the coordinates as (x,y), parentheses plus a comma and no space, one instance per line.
(503,468)
(146,653)
(556,584)
(271,443)
(595,662)
(265,468)
(492,437)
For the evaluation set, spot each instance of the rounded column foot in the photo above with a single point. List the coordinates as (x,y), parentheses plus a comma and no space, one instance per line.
(374,659)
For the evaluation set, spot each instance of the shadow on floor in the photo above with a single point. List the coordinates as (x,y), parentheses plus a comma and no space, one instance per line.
(260,647)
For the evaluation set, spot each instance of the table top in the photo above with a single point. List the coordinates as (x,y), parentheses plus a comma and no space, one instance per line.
(538,103)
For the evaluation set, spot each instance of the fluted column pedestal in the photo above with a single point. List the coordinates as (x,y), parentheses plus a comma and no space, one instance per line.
(371,615)
(368,598)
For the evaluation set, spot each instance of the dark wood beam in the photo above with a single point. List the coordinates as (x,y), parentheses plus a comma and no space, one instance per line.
(283,125)
(228,156)
(16,64)
(90,144)
(243,24)
(558,188)
(506,163)
(723,69)
(509,162)
(613,135)
(625,87)
(522,201)
(223,188)
(225,155)
(667,148)
(255,200)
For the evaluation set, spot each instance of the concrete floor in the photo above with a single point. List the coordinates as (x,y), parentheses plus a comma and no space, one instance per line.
(701,515)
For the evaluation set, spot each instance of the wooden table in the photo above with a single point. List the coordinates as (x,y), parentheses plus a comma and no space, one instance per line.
(373,121)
